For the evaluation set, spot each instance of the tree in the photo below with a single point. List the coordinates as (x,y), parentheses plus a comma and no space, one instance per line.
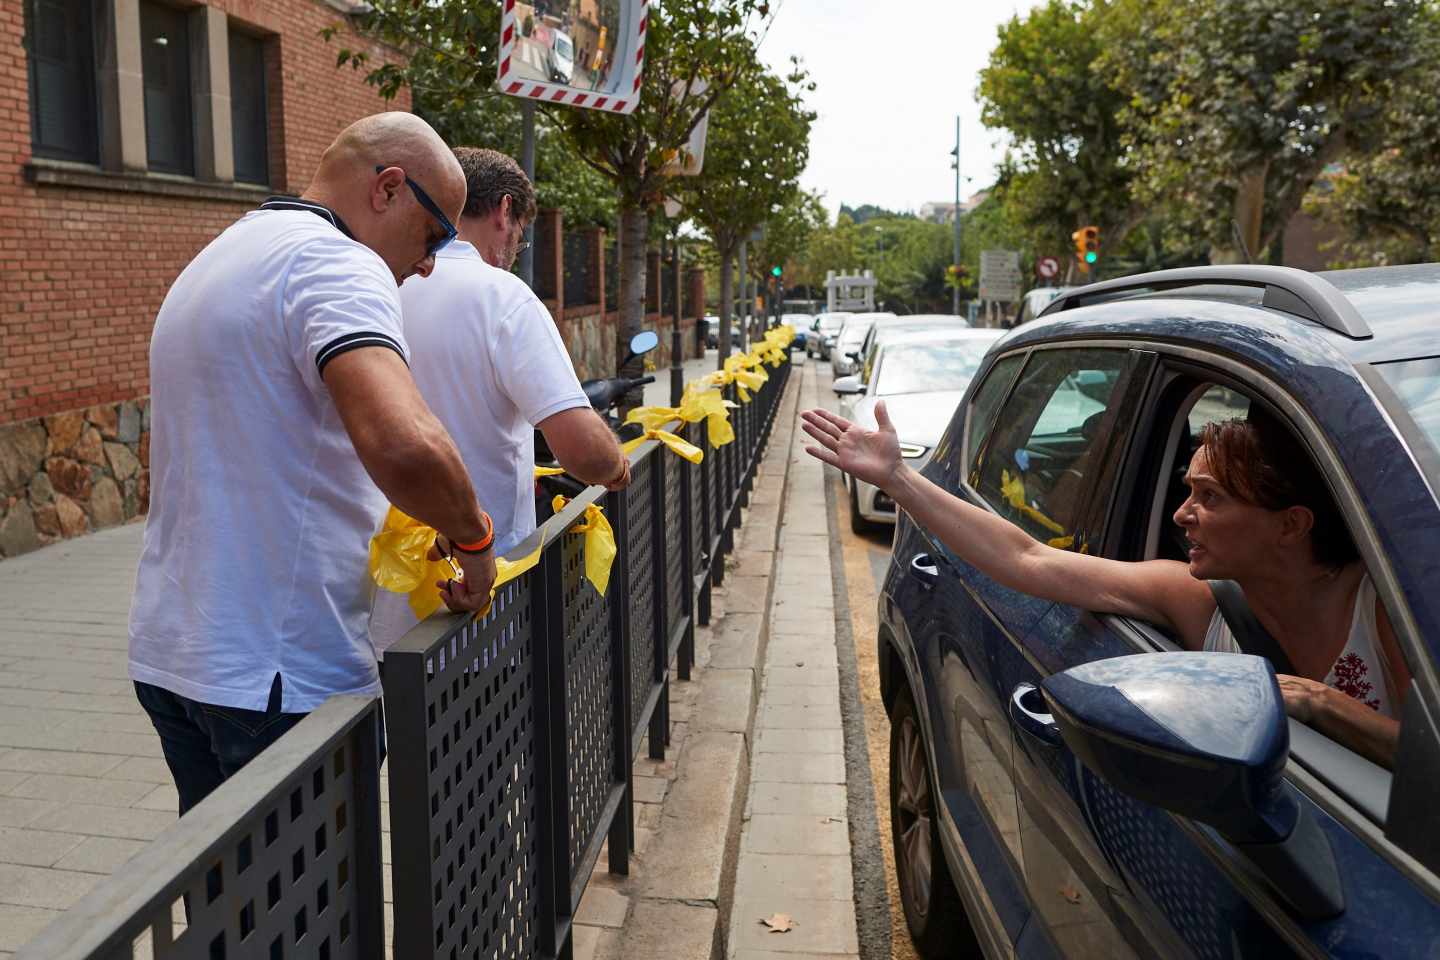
(1234,107)
(1067,166)
(787,237)
(1385,200)
(756,148)
(694,51)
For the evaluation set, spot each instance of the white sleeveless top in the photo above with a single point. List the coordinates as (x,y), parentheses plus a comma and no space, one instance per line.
(1360,671)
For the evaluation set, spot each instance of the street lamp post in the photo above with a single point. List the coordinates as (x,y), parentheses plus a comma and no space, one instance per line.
(956,154)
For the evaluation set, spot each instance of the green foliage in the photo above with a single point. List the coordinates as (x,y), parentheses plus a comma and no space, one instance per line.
(908,256)
(1067,166)
(1236,106)
(1386,200)
(868,211)
(788,233)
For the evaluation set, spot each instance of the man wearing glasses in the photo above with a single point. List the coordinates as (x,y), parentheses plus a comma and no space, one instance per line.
(488,360)
(284,417)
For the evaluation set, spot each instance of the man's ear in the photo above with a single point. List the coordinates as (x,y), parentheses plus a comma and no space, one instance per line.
(385,187)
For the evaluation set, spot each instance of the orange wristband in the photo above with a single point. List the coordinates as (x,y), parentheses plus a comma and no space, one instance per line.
(481,545)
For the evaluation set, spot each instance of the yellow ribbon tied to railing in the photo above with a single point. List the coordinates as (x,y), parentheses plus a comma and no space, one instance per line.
(700,401)
(678,445)
(740,371)
(548,472)
(400,562)
(599,543)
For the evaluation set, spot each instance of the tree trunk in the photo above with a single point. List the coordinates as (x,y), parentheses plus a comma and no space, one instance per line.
(1250,211)
(634,227)
(727,305)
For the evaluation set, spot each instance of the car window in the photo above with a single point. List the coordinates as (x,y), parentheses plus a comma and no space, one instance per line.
(984,405)
(927,367)
(1417,383)
(1035,464)
(1216,405)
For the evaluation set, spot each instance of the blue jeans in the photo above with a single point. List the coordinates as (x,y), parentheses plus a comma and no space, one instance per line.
(204,744)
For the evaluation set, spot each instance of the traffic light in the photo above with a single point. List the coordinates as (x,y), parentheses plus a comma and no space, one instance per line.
(775,271)
(1087,247)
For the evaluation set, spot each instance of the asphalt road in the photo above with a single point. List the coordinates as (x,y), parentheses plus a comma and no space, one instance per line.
(859,564)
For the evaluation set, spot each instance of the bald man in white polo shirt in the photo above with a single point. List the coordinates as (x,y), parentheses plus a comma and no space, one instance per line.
(283,418)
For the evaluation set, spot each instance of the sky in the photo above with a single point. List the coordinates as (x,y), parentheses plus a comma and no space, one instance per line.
(890,76)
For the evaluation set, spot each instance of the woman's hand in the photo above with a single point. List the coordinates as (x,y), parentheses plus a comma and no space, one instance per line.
(869,455)
(1304,698)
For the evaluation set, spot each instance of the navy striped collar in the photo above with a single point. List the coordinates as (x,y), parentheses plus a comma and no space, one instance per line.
(295,203)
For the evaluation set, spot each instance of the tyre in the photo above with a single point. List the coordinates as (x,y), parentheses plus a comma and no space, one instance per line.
(933,911)
(858,524)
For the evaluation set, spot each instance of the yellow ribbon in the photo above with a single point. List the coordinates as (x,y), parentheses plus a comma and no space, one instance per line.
(548,472)
(1013,489)
(599,543)
(700,401)
(400,563)
(677,445)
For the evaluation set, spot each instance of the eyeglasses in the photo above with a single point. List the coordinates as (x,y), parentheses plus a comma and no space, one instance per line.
(435,246)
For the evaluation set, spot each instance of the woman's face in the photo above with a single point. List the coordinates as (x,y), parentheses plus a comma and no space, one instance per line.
(1228,537)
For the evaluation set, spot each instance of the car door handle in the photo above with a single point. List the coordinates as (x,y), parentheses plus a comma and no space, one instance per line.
(1029,712)
(922,566)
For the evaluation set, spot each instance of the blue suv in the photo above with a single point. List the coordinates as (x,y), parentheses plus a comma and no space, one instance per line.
(1051,800)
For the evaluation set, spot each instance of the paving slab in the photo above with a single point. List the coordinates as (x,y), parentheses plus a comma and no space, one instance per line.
(698,821)
(797,799)
(772,740)
(727,701)
(765,876)
(798,768)
(670,930)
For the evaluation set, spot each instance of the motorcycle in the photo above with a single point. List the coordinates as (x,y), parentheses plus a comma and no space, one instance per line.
(605,395)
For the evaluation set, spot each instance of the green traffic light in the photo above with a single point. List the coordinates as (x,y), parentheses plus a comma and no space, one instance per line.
(775,271)
(1091,256)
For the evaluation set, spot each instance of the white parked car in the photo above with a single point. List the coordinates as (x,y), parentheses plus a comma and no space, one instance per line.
(562,58)
(844,356)
(820,336)
(921,376)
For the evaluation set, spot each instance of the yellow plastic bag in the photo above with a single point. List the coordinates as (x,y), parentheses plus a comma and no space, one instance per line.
(400,562)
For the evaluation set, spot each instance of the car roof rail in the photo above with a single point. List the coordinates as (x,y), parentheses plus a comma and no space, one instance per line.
(1296,292)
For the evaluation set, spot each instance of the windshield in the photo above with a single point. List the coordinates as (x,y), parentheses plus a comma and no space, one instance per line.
(927,367)
(562,46)
(1417,382)
(830,323)
(854,333)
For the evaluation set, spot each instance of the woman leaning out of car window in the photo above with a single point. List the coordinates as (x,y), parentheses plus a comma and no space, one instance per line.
(1258,513)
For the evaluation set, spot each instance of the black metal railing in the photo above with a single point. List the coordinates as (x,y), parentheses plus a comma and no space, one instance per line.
(511,738)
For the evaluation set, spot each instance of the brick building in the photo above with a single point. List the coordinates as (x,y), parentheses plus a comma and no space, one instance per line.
(131,133)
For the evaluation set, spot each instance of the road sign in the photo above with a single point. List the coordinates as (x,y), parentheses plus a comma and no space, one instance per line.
(1000,275)
(573,52)
(1048,267)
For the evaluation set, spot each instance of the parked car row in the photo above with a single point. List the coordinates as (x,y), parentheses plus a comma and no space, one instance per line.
(1057,789)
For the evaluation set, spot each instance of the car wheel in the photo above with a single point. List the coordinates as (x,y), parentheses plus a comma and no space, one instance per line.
(858,523)
(933,912)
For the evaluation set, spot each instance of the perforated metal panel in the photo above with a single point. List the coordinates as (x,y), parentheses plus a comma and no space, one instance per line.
(674,544)
(463,723)
(283,861)
(589,736)
(695,433)
(640,562)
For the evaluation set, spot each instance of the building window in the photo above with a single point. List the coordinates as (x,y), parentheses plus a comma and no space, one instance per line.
(165,63)
(62,80)
(249,108)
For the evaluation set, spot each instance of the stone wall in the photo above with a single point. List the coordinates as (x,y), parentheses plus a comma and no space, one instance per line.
(70,473)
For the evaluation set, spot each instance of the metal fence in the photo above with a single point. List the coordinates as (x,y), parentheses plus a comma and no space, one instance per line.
(582,285)
(511,742)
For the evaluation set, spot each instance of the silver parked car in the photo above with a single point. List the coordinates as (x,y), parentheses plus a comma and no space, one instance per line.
(921,376)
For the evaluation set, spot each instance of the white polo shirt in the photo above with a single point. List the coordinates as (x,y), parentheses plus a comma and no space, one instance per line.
(256,546)
(488,360)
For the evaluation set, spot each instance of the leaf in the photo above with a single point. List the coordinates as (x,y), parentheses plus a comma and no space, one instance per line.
(1070,893)
(779,922)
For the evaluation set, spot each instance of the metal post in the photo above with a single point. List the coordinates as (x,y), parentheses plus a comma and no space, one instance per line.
(744,300)
(527,163)
(677,350)
(957,215)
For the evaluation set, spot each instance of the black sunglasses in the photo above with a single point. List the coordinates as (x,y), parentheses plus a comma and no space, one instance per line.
(424,198)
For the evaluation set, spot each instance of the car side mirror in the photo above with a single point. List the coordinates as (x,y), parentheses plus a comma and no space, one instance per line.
(1205,736)
(848,386)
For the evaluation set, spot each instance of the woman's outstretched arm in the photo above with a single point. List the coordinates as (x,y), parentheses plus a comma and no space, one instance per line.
(1160,591)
